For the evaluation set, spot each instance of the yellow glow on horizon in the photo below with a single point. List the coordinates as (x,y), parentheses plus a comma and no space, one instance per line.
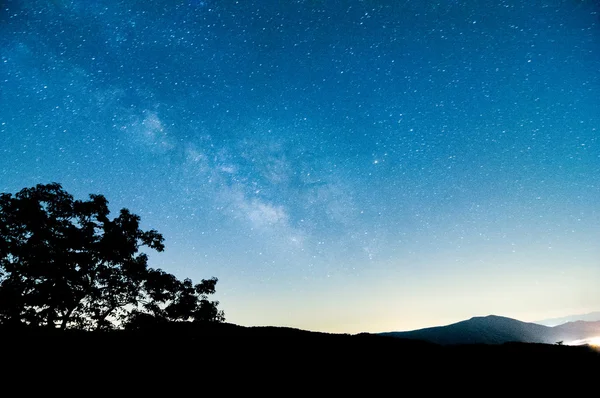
(595,341)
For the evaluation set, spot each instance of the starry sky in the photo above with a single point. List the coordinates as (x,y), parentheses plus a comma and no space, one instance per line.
(340,166)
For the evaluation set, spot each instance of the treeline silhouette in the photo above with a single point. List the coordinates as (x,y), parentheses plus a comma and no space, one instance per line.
(222,358)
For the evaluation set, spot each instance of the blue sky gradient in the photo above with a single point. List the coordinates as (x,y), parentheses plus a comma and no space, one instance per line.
(341,166)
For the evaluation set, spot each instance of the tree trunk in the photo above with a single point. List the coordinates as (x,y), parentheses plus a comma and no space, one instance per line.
(66,317)
(51,318)
(102,317)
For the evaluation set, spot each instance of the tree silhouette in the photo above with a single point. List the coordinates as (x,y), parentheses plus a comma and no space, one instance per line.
(165,299)
(64,263)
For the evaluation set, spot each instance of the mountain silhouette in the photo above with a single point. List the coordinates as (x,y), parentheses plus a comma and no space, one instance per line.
(589,317)
(495,329)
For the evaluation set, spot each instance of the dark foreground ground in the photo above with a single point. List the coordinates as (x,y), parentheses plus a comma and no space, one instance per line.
(226,359)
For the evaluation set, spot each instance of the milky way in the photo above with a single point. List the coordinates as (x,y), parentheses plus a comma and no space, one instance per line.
(341,166)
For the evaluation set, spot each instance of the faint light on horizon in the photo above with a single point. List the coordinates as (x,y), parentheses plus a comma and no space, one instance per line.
(594,341)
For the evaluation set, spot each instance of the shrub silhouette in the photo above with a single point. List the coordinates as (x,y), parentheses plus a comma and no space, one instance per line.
(65,264)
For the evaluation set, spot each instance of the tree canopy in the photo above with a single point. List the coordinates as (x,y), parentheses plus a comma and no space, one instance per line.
(65,264)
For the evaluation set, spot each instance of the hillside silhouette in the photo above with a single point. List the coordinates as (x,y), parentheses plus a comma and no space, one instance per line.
(494,329)
(589,317)
(178,356)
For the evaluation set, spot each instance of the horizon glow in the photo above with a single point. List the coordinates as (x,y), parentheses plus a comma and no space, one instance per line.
(348,166)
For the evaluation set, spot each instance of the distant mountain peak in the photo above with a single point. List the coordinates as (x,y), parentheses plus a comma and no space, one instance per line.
(495,329)
(492,316)
(588,317)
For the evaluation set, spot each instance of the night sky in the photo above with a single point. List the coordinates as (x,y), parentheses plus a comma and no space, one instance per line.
(340,166)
